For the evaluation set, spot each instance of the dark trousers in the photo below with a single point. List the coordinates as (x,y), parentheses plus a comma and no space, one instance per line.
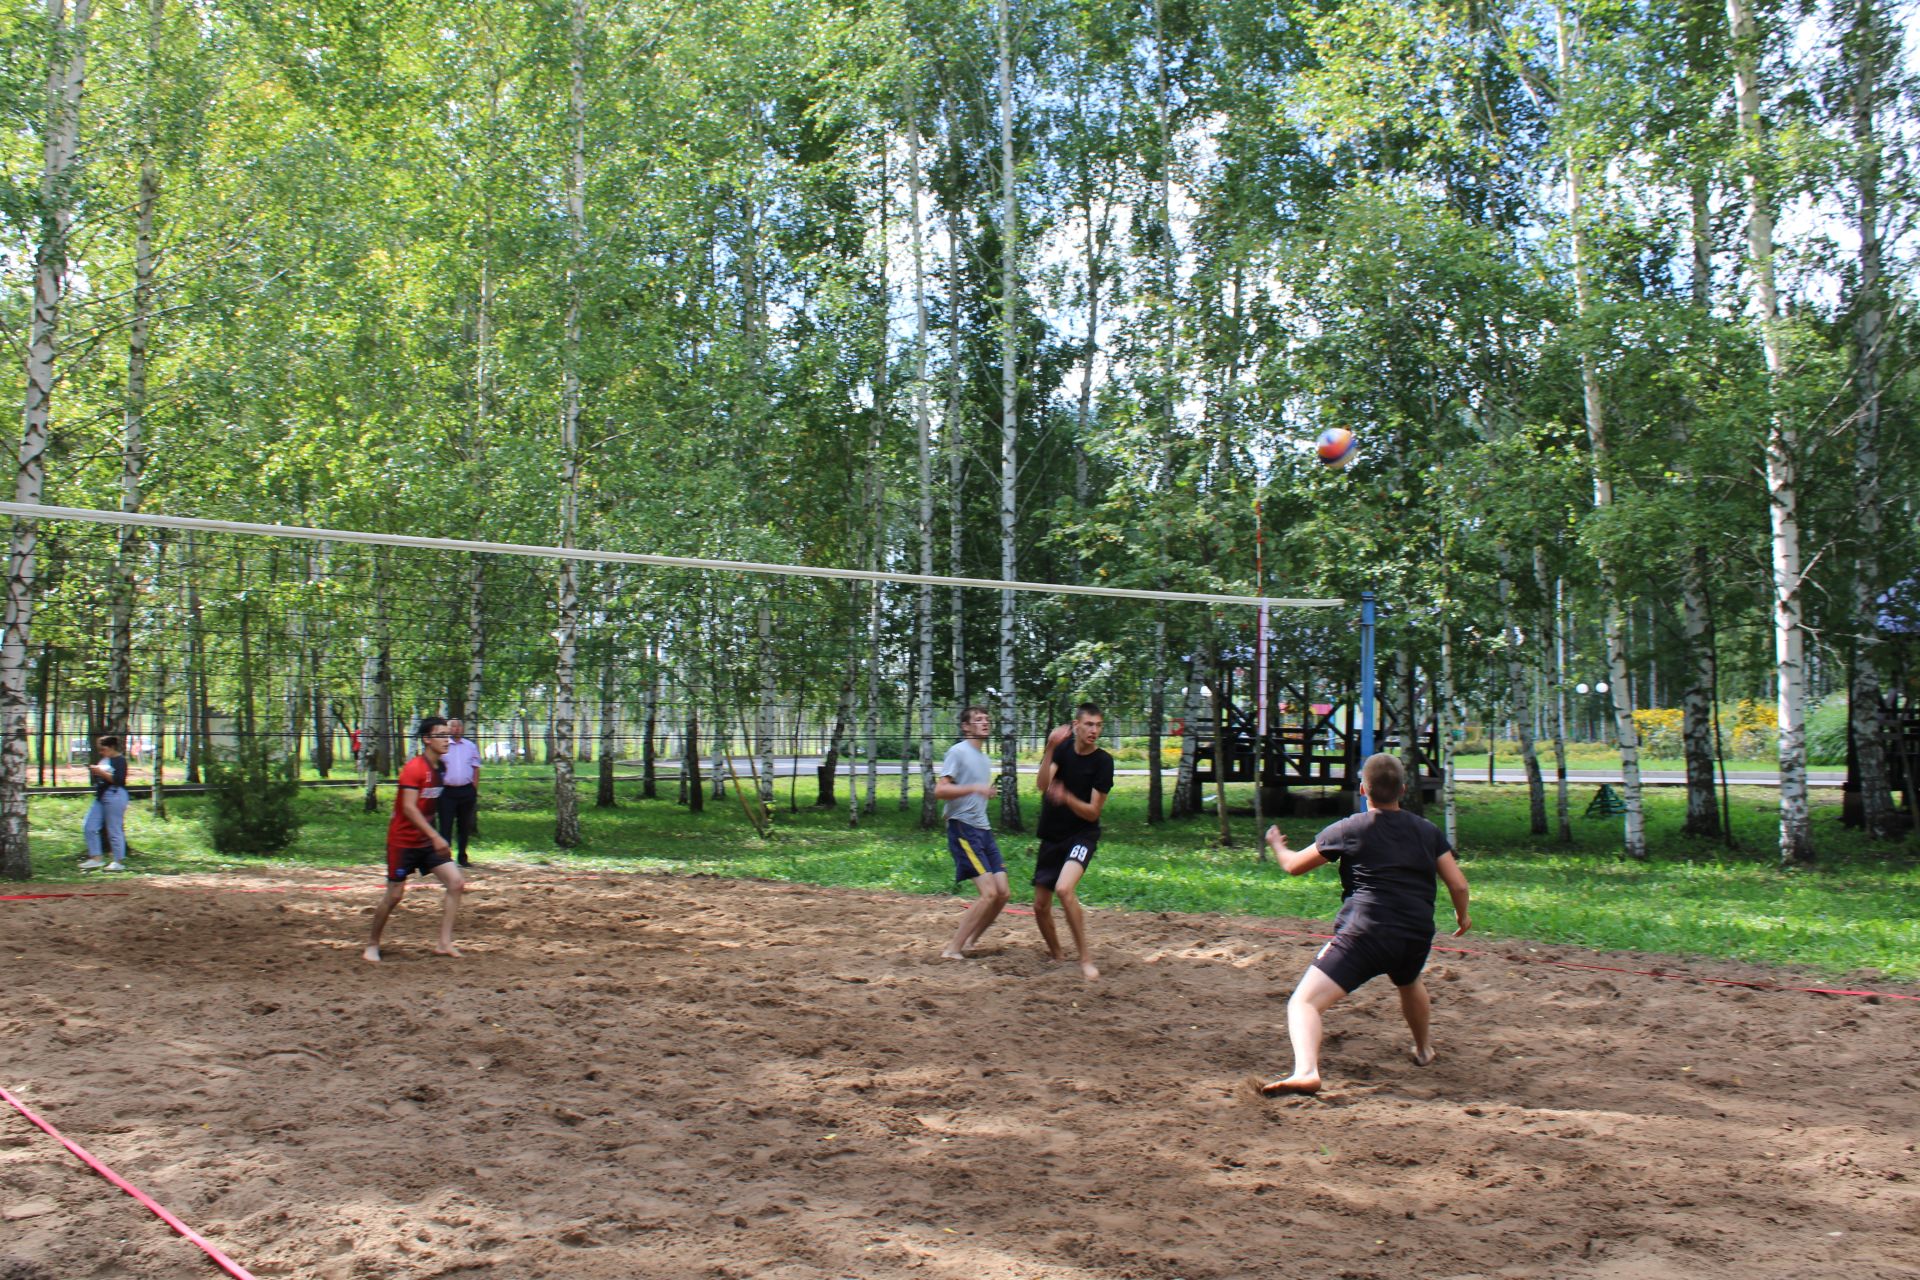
(458,812)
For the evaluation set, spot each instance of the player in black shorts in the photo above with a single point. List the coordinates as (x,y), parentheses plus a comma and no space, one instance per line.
(1074,780)
(1388,863)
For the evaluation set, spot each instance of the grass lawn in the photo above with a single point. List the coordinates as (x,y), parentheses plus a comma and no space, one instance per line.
(1853,913)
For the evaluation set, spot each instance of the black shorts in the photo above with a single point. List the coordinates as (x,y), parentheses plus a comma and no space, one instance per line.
(1357,956)
(404,860)
(1056,854)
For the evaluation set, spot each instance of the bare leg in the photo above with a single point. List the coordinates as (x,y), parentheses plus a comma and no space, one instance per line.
(1043,916)
(993,896)
(396,890)
(1418,1010)
(1076,918)
(1002,895)
(1314,996)
(449,875)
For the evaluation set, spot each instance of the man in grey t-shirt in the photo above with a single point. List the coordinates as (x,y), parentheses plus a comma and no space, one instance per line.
(966,780)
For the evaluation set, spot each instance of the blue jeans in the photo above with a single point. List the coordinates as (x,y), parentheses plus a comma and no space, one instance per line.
(107,824)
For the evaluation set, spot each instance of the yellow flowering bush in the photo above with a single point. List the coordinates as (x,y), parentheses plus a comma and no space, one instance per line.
(1660,731)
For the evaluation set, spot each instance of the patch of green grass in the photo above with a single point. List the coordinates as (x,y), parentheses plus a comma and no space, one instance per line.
(1851,913)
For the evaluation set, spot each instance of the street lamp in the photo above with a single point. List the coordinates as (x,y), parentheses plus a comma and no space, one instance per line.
(1599,689)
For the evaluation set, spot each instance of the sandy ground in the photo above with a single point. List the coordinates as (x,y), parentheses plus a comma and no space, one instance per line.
(638,1076)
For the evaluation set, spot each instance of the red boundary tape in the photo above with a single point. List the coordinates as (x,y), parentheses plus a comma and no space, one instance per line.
(225,1263)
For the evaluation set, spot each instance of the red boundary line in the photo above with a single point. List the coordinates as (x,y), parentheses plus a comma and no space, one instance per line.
(220,1259)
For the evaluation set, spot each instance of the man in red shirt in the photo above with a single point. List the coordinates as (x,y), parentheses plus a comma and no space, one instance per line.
(412,843)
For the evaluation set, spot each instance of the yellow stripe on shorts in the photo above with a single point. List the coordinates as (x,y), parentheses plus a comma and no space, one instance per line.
(972,857)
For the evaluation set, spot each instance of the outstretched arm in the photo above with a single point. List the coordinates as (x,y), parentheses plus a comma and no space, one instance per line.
(1456,881)
(1295,862)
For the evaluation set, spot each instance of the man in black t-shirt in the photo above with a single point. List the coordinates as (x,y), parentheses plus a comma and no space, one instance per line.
(1388,860)
(1074,780)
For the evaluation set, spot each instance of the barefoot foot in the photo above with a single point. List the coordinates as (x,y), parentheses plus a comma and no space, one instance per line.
(1088,972)
(447,951)
(1422,1057)
(951,954)
(371,955)
(1291,1085)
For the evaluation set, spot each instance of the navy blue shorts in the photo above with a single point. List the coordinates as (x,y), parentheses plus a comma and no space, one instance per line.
(975,851)
(1056,854)
(1357,956)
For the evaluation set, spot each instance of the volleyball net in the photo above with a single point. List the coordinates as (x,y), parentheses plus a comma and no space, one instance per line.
(322,647)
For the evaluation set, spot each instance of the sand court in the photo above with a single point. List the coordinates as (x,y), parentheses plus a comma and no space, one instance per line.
(637,1075)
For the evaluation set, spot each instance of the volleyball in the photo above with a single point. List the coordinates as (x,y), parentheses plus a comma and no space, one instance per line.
(1336,446)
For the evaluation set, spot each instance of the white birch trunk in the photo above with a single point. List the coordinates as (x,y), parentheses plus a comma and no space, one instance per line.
(476,639)
(763,624)
(953,443)
(1556,692)
(66,77)
(1872,46)
(1782,452)
(162,678)
(1520,693)
(566,801)
(1620,689)
(1156,725)
(1186,789)
(609,728)
(1696,702)
(369,717)
(1009,423)
(134,406)
(923,434)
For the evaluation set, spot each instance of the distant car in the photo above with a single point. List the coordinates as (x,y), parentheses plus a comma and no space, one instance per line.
(502,750)
(79,751)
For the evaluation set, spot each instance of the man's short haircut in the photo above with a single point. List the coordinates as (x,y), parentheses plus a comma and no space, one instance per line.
(969,713)
(1089,709)
(110,740)
(430,723)
(1386,778)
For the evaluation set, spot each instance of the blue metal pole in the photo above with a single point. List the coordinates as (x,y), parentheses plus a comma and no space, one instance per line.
(1366,678)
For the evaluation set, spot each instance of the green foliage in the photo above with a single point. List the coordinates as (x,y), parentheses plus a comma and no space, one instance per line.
(1827,731)
(252,807)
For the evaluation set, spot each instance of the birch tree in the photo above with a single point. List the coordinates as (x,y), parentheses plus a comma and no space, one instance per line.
(1869,46)
(1594,406)
(923,436)
(1782,445)
(59,154)
(1010,819)
(566,801)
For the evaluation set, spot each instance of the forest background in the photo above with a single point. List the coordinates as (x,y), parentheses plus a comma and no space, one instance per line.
(1617,297)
